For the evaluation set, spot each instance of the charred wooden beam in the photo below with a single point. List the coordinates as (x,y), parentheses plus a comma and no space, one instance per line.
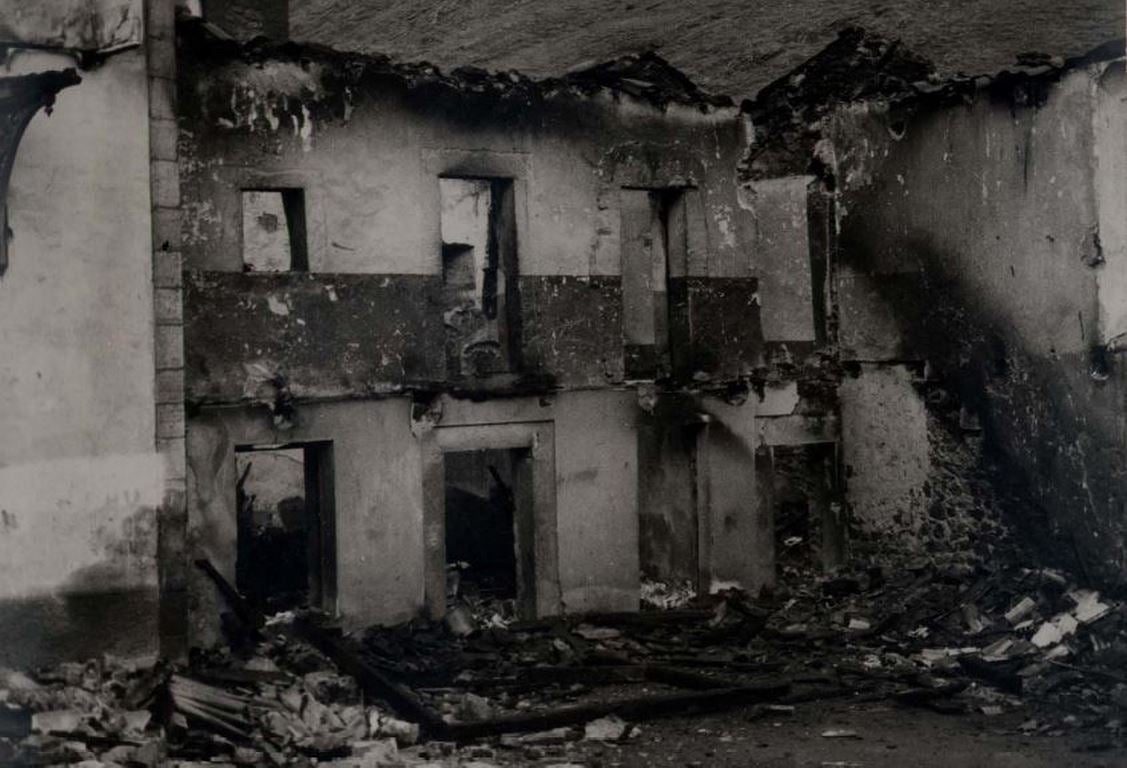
(250,617)
(374,682)
(638,708)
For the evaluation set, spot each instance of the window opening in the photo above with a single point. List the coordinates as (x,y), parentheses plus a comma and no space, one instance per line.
(653,251)
(274,233)
(479,271)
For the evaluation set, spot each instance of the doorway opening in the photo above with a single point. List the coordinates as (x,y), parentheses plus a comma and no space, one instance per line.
(489,531)
(285,548)
(804,491)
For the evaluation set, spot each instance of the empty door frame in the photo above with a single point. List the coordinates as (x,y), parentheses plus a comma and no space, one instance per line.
(320,516)
(534,516)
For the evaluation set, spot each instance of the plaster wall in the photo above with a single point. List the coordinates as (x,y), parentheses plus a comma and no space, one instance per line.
(972,237)
(369,157)
(782,255)
(79,479)
(994,200)
(85,25)
(668,515)
(379,486)
(378,504)
(1109,117)
(701,516)
(372,170)
(738,541)
(596,488)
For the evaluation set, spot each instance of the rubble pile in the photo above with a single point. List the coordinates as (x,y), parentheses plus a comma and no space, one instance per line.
(74,712)
(955,639)
(283,706)
(468,690)
(959,639)
(662,595)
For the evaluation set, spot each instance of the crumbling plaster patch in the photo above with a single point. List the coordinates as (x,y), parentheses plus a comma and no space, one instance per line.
(274,96)
(969,240)
(885,452)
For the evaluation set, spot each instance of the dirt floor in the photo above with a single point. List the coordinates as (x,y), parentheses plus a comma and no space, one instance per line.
(887,736)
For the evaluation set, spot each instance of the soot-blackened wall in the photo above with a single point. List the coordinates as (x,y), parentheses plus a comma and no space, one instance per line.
(985,239)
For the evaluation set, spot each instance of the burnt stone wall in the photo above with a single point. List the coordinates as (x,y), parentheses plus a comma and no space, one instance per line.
(366,142)
(971,242)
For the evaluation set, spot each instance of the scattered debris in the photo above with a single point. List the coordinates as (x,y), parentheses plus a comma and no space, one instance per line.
(610,728)
(661,595)
(950,640)
(1016,614)
(840,733)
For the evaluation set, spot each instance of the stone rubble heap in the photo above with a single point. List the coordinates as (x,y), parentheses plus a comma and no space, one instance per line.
(955,639)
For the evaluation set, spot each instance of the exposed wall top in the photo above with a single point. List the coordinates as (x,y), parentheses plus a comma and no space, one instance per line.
(790,114)
(77,25)
(645,76)
(247,19)
(727,46)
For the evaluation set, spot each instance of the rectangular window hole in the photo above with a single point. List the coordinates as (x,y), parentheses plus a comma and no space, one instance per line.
(274,232)
(654,249)
(479,272)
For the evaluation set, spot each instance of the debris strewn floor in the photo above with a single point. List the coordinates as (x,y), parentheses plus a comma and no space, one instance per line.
(844,670)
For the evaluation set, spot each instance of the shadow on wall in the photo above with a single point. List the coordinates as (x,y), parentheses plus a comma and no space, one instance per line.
(1049,442)
(40,630)
(97,610)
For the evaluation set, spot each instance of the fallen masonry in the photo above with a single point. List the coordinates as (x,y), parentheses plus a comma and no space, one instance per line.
(296,690)
(405,389)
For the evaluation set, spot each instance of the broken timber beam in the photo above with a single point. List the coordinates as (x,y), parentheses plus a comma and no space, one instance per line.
(716,695)
(405,701)
(636,619)
(250,617)
(637,708)
(683,678)
(996,674)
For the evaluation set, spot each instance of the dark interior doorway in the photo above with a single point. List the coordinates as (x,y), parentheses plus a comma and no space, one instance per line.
(489,546)
(805,497)
(284,495)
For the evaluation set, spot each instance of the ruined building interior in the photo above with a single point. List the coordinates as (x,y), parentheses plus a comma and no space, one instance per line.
(324,363)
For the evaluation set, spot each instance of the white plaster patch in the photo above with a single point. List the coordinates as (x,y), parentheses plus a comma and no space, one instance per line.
(779,399)
(723,219)
(885,443)
(719,585)
(306,130)
(278,306)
